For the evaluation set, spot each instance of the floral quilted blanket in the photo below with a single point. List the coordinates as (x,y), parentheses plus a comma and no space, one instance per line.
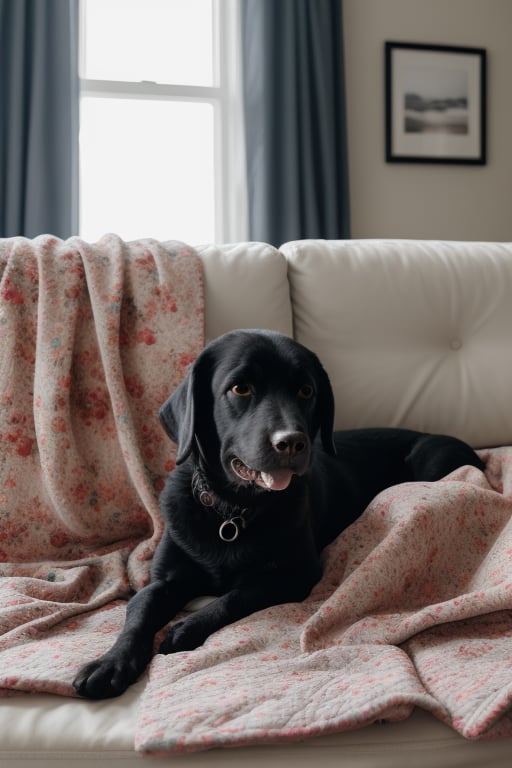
(413,610)
(93,338)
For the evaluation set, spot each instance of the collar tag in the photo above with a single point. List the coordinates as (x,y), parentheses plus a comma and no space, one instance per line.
(229,530)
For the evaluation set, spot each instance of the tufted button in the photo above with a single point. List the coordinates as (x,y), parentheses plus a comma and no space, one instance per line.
(455,343)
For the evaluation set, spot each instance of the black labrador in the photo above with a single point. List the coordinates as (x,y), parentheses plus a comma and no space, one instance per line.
(261,486)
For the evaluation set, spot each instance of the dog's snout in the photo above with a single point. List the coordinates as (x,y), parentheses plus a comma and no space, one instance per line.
(289,443)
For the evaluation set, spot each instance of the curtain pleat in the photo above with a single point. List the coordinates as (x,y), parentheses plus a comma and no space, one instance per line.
(39,117)
(295,126)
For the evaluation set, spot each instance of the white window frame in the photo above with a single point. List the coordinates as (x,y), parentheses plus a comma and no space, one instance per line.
(225,96)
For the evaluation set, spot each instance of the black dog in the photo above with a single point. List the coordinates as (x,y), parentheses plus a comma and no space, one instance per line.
(261,487)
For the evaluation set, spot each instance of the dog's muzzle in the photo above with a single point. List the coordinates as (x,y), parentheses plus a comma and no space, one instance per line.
(292,452)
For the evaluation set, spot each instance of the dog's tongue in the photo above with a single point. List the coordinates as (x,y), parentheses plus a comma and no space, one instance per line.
(275,481)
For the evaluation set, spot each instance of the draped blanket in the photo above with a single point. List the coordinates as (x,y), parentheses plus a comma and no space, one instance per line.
(414,608)
(93,339)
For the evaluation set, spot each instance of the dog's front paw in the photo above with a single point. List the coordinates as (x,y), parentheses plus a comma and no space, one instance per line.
(108,676)
(185,635)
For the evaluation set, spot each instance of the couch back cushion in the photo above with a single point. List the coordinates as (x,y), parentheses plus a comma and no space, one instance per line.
(245,286)
(412,333)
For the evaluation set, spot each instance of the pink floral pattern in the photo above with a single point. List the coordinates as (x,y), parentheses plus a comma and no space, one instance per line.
(413,611)
(93,338)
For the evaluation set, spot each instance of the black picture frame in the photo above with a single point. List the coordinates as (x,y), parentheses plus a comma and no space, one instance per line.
(436,108)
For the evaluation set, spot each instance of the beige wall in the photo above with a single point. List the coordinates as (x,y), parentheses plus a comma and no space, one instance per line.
(415,200)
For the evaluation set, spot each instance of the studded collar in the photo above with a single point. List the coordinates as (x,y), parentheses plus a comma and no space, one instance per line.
(234,517)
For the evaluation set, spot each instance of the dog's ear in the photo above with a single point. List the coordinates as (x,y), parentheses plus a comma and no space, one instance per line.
(179,413)
(325,408)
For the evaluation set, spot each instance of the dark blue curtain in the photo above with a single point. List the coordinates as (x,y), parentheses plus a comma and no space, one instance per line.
(294,108)
(39,114)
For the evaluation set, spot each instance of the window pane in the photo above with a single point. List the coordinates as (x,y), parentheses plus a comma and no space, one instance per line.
(147,169)
(167,41)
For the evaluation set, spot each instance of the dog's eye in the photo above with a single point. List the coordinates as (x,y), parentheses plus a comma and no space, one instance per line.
(306,392)
(241,390)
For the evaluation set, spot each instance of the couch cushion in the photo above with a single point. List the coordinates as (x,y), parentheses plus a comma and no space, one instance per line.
(412,333)
(245,287)
(44,731)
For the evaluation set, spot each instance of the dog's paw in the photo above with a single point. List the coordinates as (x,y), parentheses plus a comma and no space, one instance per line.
(176,639)
(108,676)
(185,635)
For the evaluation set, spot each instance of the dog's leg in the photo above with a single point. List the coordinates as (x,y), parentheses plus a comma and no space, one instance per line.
(192,631)
(147,612)
(238,603)
(435,456)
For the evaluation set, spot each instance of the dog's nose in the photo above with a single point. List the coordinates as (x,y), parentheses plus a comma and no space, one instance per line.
(289,443)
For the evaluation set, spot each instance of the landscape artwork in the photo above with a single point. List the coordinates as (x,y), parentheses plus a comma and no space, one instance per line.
(435,104)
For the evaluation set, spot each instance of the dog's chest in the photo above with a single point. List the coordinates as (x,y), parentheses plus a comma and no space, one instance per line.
(230,541)
(230,547)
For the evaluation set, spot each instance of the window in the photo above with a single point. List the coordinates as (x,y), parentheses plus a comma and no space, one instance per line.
(161,150)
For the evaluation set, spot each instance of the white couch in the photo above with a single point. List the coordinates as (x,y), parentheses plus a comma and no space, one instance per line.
(412,333)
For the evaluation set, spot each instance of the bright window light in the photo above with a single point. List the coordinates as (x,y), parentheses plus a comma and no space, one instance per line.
(165,41)
(151,151)
(147,169)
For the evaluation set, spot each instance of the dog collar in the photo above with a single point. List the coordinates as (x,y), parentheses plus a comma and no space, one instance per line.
(233,516)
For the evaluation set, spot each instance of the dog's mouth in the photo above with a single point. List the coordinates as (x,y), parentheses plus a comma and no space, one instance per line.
(277,480)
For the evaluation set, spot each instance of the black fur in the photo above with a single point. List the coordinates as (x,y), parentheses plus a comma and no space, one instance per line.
(255,402)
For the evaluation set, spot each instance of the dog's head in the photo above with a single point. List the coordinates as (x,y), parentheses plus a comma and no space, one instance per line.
(250,408)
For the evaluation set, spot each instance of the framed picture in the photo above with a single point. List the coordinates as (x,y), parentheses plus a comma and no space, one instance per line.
(435,104)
